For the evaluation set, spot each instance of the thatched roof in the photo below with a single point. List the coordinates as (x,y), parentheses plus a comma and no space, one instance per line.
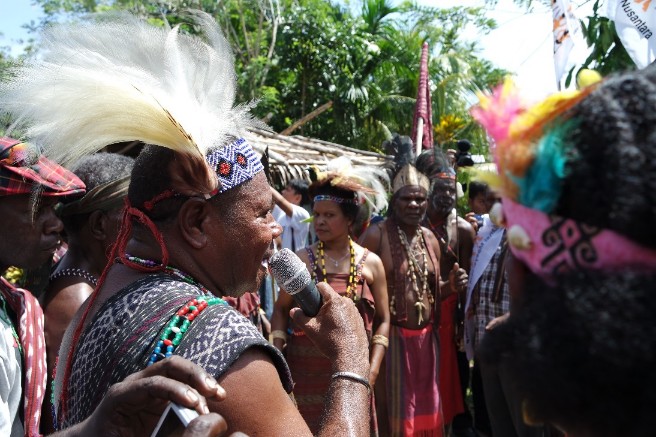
(291,156)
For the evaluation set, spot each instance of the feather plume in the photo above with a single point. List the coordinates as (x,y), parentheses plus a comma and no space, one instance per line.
(114,78)
(529,164)
(371,183)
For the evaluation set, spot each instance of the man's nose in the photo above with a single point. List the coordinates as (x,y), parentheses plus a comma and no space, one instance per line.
(51,223)
(276,229)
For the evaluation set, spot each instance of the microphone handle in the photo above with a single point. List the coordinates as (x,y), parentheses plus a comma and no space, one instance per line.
(309,299)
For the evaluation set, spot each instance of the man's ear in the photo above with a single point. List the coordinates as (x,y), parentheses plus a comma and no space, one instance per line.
(193,220)
(98,224)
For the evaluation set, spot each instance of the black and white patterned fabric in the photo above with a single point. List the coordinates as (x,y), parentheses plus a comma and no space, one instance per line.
(123,333)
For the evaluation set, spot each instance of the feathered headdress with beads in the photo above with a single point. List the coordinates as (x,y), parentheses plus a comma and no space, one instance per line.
(369,183)
(117,78)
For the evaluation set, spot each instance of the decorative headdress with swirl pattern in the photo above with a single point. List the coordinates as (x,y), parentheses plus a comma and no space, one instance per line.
(575,171)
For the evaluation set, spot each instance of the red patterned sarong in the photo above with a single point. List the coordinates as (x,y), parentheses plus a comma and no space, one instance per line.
(413,398)
(452,403)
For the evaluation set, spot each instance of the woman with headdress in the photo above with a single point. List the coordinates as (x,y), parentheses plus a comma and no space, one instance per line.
(577,175)
(350,269)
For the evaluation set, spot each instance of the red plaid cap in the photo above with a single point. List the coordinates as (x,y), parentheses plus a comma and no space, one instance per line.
(22,169)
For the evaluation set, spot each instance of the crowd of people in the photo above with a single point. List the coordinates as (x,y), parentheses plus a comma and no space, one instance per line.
(529,316)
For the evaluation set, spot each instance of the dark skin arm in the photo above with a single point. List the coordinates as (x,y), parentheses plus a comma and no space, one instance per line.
(371,238)
(378,286)
(458,276)
(63,299)
(282,203)
(59,309)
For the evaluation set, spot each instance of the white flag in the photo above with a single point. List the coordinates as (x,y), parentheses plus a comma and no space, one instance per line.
(567,35)
(635,22)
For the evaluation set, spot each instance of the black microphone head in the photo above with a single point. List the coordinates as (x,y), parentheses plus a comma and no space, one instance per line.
(289,271)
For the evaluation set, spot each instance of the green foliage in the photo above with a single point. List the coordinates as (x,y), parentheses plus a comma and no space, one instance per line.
(608,54)
(295,56)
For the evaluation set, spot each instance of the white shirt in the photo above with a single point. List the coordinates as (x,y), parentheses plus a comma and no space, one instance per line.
(11,391)
(292,225)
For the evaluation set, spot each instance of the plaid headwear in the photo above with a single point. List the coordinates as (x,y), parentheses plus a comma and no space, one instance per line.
(22,169)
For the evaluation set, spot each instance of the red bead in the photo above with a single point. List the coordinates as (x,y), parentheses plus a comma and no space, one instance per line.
(194,302)
(195,312)
(168,342)
(181,312)
(191,317)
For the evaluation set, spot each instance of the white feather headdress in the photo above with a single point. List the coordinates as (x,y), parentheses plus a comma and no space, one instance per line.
(368,181)
(117,78)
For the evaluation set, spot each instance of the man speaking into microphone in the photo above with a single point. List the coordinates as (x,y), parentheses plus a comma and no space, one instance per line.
(197,226)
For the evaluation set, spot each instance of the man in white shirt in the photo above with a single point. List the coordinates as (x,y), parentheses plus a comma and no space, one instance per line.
(291,216)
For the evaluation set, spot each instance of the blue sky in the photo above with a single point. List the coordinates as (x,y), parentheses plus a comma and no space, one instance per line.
(522,43)
(13,15)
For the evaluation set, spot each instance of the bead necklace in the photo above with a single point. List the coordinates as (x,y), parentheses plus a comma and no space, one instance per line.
(168,269)
(416,273)
(178,326)
(73,272)
(351,285)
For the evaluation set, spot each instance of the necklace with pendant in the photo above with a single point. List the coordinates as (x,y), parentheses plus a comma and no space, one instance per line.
(418,272)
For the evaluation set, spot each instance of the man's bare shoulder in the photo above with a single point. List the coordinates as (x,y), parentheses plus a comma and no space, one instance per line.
(252,385)
(465,228)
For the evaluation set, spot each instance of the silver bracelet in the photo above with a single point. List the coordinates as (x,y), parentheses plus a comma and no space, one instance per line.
(353,377)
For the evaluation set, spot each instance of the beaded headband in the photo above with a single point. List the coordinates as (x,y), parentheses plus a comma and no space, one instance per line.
(234,164)
(335,199)
(532,147)
(410,176)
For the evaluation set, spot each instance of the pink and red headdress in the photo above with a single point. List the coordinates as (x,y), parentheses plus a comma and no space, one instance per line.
(541,151)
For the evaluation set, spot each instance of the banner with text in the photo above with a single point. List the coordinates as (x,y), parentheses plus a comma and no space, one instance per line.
(635,22)
(567,35)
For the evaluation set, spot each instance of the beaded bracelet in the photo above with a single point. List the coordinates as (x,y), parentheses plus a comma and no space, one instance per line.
(178,326)
(380,339)
(353,377)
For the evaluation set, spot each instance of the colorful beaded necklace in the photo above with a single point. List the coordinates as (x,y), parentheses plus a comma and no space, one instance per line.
(415,271)
(351,284)
(177,327)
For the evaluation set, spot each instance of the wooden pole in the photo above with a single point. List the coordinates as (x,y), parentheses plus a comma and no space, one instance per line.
(420,136)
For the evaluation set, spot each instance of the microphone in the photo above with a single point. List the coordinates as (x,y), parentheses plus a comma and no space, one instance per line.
(290,272)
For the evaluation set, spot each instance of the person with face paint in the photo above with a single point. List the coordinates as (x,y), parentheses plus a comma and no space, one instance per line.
(410,255)
(350,269)
(456,239)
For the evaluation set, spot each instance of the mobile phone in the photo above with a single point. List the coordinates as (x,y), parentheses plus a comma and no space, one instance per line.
(174,420)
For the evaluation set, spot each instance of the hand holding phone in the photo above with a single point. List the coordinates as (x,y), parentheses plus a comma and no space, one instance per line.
(173,420)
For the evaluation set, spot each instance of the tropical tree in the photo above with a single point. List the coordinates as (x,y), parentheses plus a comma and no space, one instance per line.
(320,69)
